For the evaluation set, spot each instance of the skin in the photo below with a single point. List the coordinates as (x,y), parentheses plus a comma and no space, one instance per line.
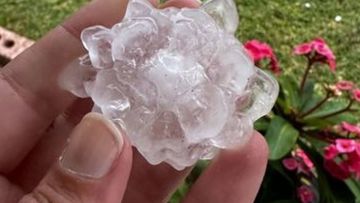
(37,117)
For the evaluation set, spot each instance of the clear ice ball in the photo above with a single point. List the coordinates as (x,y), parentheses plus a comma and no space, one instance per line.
(176,81)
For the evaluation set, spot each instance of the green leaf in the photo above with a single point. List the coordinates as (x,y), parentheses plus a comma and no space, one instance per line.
(262,124)
(354,186)
(307,96)
(280,102)
(281,137)
(323,112)
(317,123)
(180,193)
(329,108)
(290,92)
(316,143)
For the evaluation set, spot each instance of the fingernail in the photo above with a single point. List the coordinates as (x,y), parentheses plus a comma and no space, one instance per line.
(93,146)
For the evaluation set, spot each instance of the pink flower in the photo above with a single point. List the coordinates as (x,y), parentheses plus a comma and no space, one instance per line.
(321,50)
(305,194)
(353,162)
(350,164)
(347,127)
(300,153)
(345,145)
(357,149)
(340,172)
(290,164)
(344,85)
(260,51)
(356,94)
(330,152)
(303,49)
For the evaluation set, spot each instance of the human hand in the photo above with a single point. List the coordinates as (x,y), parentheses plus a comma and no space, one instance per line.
(98,163)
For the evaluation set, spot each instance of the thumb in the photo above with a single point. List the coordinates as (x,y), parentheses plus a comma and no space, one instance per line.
(94,167)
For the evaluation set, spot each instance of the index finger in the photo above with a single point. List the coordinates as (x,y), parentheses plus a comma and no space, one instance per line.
(30,96)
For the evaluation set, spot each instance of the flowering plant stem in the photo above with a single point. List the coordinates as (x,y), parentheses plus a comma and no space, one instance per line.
(318,105)
(306,74)
(347,108)
(309,132)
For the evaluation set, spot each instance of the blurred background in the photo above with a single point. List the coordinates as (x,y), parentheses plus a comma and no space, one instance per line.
(282,24)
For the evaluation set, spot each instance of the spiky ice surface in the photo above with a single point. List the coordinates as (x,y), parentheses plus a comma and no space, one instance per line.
(179,84)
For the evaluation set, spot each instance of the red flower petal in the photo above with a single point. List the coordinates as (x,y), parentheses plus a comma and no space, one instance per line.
(344,85)
(305,194)
(323,53)
(347,127)
(345,145)
(260,51)
(338,171)
(356,95)
(290,164)
(330,152)
(303,49)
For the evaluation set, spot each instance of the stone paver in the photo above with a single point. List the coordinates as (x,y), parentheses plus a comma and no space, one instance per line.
(11,45)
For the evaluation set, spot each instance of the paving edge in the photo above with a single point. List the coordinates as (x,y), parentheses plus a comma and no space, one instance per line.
(11,45)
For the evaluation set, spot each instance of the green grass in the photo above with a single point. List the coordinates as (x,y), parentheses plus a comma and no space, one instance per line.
(33,18)
(285,23)
(281,23)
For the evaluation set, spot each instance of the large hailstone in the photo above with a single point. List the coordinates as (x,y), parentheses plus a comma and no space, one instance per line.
(176,80)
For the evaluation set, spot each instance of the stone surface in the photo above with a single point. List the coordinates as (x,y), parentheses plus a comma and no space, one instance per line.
(11,45)
(179,84)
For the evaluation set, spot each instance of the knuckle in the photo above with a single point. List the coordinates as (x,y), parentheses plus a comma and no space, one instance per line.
(51,193)
(71,29)
(35,197)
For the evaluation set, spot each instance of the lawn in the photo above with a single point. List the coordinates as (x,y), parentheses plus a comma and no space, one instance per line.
(281,23)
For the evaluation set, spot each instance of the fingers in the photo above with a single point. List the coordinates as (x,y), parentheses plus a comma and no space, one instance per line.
(30,96)
(181,3)
(9,192)
(48,149)
(94,167)
(148,184)
(235,176)
(176,3)
(34,167)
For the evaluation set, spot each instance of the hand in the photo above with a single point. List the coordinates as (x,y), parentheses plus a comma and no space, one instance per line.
(98,163)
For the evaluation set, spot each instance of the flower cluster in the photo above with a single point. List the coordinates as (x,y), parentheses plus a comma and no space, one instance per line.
(349,129)
(315,120)
(317,51)
(342,159)
(299,161)
(303,166)
(306,194)
(348,87)
(344,85)
(260,51)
